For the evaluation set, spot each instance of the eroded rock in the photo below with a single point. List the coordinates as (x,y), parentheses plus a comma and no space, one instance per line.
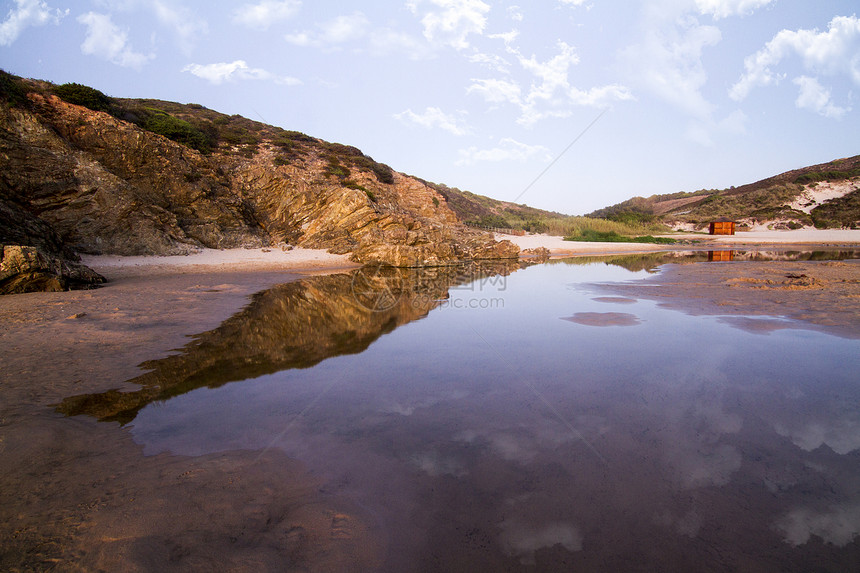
(30,269)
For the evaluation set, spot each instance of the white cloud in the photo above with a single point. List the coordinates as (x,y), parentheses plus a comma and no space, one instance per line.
(668,62)
(302,39)
(491,61)
(345,28)
(815,97)
(238,70)
(433,117)
(105,40)
(453,21)
(598,96)
(27,13)
(263,14)
(339,30)
(572,2)
(496,91)
(387,41)
(834,52)
(550,93)
(515,13)
(725,8)
(507,37)
(507,150)
(183,22)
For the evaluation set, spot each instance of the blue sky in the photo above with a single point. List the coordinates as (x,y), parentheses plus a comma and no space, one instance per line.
(568,105)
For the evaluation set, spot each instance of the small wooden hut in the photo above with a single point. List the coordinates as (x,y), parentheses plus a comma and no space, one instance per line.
(722,227)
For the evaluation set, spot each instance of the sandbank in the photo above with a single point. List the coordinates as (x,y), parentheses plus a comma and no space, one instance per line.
(214,260)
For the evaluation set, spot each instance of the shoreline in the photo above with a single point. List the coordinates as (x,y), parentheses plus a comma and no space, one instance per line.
(785,239)
(309,261)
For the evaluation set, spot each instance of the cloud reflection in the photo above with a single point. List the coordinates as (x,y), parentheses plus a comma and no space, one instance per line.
(838,525)
(522,540)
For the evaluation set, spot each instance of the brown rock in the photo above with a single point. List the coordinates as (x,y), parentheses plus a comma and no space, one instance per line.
(29,269)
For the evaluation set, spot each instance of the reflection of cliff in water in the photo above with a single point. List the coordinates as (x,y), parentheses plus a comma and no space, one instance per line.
(293,325)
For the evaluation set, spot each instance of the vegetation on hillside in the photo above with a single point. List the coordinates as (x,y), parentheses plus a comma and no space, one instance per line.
(485,212)
(200,128)
(842,212)
(593,236)
(765,200)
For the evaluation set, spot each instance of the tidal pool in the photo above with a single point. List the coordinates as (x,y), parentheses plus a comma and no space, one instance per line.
(505,419)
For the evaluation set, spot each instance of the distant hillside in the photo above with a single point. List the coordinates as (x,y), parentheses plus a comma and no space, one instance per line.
(479,210)
(823,196)
(488,213)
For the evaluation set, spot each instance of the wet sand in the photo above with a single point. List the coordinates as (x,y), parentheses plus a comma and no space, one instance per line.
(79,495)
(818,295)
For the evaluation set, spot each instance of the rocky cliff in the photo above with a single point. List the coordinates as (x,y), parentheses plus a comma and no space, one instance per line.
(132,177)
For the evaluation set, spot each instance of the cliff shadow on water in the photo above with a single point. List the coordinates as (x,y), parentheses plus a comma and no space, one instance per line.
(292,325)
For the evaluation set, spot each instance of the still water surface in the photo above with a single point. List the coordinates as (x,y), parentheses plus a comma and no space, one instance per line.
(529,421)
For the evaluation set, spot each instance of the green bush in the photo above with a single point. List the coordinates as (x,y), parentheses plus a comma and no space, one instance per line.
(593,236)
(350,184)
(826,176)
(384,173)
(176,129)
(335,169)
(296,136)
(86,96)
(12,91)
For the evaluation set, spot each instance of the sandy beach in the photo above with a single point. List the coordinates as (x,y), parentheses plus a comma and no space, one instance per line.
(209,260)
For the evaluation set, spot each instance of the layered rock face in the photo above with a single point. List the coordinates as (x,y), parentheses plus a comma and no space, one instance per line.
(106,186)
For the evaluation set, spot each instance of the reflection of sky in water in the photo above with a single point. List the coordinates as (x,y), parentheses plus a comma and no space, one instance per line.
(546,434)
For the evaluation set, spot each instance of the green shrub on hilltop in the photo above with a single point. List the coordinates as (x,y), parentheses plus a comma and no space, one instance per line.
(86,96)
(12,91)
(176,129)
(816,176)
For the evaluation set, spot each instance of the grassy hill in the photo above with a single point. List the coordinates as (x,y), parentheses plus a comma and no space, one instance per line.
(482,211)
(825,196)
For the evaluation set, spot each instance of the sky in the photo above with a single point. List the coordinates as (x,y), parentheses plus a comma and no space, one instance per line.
(566,105)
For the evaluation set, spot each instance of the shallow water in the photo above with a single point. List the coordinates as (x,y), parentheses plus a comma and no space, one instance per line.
(529,421)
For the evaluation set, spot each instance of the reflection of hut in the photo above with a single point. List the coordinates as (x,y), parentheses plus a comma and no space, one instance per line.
(721,255)
(722,227)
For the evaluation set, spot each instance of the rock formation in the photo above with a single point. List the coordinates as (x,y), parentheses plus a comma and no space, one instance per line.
(101,182)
